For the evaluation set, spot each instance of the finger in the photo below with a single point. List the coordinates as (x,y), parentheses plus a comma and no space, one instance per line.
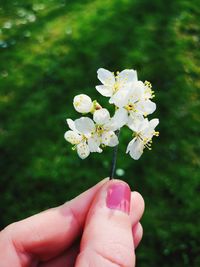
(137,234)
(137,207)
(66,259)
(107,238)
(47,234)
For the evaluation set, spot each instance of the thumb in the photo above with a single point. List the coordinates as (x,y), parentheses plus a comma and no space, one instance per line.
(107,238)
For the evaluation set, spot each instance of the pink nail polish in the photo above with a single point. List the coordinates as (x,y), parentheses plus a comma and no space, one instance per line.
(118,197)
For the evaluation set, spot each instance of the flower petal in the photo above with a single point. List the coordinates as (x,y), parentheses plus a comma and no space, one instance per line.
(110,139)
(105,76)
(83,150)
(84,125)
(121,97)
(134,123)
(71,125)
(73,137)
(105,90)
(135,115)
(120,118)
(153,123)
(146,107)
(94,143)
(135,148)
(101,116)
(148,131)
(144,124)
(127,76)
(137,92)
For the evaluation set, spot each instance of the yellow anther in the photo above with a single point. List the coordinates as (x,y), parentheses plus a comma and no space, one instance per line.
(148,84)
(130,107)
(99,129)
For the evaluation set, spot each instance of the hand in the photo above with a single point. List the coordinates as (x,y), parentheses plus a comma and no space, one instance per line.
(99,216)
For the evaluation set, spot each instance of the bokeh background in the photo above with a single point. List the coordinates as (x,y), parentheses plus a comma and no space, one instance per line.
(49,52)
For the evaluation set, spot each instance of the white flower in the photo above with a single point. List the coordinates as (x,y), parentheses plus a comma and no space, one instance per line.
(83,103)
(144,131)
(105,128)
(134,101)
(87,135)
(80,135)
(112,83)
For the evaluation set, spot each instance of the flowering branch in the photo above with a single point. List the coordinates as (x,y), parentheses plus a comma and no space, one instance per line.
(132,101)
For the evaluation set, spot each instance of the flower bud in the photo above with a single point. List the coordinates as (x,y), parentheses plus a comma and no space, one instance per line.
(82,103)
(101,116)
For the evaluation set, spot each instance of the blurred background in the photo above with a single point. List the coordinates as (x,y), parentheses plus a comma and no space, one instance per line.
(49,52)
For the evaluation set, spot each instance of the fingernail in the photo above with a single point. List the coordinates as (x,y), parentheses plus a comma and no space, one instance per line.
(118,197)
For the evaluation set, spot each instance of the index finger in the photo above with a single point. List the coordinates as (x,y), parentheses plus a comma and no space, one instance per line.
(45,235)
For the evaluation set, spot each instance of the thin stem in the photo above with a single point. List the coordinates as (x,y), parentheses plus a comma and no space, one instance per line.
(114,158)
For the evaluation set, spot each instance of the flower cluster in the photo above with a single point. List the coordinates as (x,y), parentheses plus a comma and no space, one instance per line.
(132,101)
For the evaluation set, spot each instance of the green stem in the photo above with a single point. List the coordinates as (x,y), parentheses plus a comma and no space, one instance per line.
(114,158)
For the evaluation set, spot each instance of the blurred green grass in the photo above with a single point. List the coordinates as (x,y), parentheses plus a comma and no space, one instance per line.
(49,52)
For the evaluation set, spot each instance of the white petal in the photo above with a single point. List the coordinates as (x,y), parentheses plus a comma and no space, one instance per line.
(146,107)
(84,125)
(137,91)
(71,125)
(130,144)
(127,76)
(113,140)
(105,90)
(136,115)
(82,103)
(148,132)
(121,97)
(144,124)
(109,139)
(110,126)
(101,116)
(83,150)
(134,123)
(105,76)
(94,143)
(135,148)
(120,118)
(73,137)
(153,123)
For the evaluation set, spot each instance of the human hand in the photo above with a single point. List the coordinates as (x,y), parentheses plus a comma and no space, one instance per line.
(99,217)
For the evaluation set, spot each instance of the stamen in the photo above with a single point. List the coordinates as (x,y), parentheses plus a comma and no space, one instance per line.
(130,107)
(148,84)
(99,129)
(146,141)
(156,133)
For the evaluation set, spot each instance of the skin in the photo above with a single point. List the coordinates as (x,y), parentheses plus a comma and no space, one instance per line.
(81,233)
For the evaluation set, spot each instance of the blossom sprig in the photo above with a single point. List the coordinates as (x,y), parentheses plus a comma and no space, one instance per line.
(132,103)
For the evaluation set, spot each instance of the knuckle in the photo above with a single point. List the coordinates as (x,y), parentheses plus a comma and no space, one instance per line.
(115,255)
(121,254)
